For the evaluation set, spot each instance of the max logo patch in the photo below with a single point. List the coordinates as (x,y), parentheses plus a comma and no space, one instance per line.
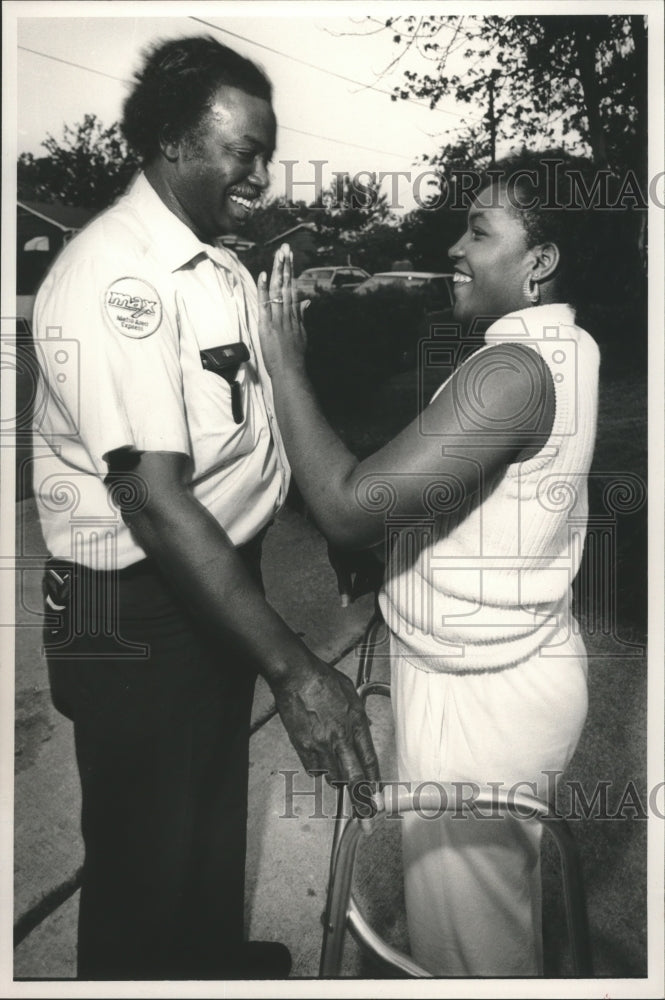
(133,306)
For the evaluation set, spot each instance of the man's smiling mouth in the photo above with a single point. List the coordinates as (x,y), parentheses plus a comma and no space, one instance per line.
(247,203)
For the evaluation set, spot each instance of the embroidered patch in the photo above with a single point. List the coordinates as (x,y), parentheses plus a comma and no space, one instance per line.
(133,306)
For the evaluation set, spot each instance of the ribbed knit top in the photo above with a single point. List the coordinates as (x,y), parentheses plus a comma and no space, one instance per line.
(488,585)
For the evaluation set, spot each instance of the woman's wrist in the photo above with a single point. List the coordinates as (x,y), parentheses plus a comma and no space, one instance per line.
(288,364)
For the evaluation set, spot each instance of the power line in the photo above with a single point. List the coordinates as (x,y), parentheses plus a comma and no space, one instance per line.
(286,128)
(343,142)
(68,62)
(320,69)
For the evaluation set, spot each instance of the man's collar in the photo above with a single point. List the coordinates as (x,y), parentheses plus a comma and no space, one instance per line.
(172,240)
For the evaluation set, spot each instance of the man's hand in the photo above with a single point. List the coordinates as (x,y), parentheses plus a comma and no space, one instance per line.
(326,722)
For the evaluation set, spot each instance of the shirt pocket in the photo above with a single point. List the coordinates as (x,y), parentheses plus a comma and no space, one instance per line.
(217,440)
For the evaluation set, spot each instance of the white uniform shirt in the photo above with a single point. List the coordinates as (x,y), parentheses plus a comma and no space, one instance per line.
(119,323)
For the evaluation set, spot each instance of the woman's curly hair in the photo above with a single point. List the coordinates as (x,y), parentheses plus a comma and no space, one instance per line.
(174,87)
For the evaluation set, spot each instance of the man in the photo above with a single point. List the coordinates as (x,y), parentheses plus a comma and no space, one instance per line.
(158,466)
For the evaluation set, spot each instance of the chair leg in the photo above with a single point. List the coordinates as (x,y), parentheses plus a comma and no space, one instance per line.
(574,895)
(367,649)
(339,892)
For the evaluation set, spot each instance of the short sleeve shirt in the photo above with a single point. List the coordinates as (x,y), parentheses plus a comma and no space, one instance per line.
(119,325)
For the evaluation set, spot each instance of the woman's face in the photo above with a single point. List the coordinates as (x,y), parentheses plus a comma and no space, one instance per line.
(492,260)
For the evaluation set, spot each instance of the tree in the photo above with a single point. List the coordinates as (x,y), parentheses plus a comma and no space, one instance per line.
(354,222)
(348,206)
(272,218)
(351,204)
(580,77)
(89,167)
(350,218)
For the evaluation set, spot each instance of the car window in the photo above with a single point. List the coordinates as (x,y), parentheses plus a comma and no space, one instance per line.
(400,280)
(346,276)
(437,288)
(379,281)
(415,282)
(443,289)
(317,273)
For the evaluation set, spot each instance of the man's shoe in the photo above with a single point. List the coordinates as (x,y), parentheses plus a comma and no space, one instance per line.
(262,960)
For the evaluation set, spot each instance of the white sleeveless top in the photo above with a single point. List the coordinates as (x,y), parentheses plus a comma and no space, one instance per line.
(487,588)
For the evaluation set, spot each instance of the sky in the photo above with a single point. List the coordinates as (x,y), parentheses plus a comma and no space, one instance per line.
(333,66)
(306,49)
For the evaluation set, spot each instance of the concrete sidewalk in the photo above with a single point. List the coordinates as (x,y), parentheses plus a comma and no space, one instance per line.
(289,839)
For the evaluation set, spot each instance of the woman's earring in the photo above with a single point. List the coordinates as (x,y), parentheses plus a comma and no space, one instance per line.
(531,290)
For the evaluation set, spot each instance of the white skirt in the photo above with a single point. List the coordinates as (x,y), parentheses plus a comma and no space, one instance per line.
(472,885)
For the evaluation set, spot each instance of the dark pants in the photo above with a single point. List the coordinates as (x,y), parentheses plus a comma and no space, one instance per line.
(162,743)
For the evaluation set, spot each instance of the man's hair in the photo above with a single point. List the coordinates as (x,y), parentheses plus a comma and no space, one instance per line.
(174,87)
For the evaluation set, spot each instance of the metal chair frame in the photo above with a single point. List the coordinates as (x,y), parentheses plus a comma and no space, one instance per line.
(367,649)
(342,912)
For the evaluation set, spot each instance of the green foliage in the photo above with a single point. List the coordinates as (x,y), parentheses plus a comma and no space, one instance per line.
(89,167)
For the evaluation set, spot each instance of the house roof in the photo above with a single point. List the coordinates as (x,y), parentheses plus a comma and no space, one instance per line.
(281,236)
(71,217)
(65,217)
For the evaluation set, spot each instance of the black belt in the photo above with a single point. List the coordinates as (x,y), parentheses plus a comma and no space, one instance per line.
(145,567)
(142,568)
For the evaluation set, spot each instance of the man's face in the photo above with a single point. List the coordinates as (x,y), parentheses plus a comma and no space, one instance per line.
(222,169)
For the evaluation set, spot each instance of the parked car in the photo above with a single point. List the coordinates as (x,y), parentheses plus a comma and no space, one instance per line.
(408,300)
(435,288)
(317,279)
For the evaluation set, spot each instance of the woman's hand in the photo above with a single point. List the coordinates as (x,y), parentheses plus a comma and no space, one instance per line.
(283,337)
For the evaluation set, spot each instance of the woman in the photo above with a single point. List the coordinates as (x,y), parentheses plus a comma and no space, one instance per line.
(484,499)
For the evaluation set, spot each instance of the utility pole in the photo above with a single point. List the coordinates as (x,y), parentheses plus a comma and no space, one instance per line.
(492,120)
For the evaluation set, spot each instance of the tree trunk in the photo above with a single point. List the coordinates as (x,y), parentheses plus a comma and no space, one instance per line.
(642,102)
(586,61)
(641,91)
